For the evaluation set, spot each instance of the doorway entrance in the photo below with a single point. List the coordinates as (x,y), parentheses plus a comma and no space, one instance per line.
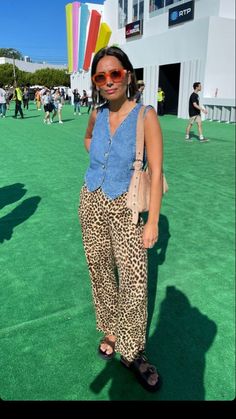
(138,73)
(169,76)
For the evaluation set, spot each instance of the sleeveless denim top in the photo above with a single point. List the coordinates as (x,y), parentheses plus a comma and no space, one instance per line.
(112,157)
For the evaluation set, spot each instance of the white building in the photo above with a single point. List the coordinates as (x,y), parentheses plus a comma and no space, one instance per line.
(175,48)
(31,67)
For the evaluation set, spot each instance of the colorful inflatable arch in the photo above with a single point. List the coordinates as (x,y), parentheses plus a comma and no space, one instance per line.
(85,35)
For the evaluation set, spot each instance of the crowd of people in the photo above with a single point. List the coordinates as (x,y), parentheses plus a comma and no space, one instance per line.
(51,100)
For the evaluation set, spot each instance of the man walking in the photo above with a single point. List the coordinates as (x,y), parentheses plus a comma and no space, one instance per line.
(195,113)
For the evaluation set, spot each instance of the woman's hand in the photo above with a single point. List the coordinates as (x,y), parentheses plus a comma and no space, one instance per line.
(150,235)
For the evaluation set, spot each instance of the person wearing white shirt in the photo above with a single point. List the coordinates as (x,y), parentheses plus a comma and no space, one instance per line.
(3,101)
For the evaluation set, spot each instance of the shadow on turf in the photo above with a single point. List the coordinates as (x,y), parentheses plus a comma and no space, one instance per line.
(9,195)
(66,120)
(178,348)
(156,257)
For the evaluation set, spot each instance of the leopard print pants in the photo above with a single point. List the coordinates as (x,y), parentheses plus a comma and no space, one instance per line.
(117,264)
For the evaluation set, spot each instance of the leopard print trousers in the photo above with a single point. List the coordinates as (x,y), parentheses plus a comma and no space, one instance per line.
(117,263)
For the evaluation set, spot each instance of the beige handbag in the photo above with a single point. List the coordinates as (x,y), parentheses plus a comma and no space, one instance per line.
(138,197)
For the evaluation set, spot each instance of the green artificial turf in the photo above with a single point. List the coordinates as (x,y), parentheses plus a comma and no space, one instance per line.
(48,337)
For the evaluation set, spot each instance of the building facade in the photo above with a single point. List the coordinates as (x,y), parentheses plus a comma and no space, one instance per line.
(172,44)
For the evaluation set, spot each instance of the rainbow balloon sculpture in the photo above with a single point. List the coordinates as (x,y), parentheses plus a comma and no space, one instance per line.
(85,35)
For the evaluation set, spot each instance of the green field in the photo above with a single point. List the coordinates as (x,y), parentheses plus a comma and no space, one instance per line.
(48,336)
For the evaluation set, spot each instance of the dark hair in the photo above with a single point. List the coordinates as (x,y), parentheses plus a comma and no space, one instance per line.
(125,62)
(196,84)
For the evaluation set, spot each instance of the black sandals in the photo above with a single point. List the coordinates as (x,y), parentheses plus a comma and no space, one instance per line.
(103,354)
(143,371)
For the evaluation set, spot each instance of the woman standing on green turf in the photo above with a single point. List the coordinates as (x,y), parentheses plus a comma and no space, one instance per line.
(111,239)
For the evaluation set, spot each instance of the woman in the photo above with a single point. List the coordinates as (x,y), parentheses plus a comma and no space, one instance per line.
(57,106)
(111,241)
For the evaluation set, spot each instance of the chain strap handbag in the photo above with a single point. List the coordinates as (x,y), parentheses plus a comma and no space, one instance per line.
(138,197)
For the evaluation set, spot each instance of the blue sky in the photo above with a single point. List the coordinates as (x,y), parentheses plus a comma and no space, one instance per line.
(36,28)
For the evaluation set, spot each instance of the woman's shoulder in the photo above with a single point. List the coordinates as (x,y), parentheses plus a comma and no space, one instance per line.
(149,109)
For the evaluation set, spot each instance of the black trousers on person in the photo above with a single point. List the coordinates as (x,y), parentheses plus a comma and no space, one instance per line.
(160,108)
(18,108)
(26,103)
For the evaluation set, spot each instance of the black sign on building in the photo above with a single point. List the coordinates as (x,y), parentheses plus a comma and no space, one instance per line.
(134,28)
(182,13)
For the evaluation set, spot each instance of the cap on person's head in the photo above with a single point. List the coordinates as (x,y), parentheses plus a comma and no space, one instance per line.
(140,83)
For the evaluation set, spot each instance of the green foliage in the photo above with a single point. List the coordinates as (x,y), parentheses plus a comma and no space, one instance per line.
(44,77)
(6,74)
(51,77)
(11,53)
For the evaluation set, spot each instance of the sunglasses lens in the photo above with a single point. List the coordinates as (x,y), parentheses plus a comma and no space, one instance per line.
(100,78)
(116,75)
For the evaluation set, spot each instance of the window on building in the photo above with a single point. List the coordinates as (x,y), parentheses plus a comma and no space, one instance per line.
(138,6)
(122,13)
(156,5)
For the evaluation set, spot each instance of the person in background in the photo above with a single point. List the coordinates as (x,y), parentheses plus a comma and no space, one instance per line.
(26,97)
(112,242)
(139,94)
(69,93)
(84,99)
(37,98)
(160,101)
(9,95)
(77,99)
(63,96)
(3,101)
(195,113)
(57,105)
(90,101)
(18,96)
(47,101)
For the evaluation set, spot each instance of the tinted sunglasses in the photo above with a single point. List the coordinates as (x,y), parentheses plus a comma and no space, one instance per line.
(115,75)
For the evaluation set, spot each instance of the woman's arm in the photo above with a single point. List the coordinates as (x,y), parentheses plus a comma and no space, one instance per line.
(154,148)
(89,130)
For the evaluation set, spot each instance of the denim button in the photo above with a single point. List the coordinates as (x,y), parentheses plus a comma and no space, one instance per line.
(103,166)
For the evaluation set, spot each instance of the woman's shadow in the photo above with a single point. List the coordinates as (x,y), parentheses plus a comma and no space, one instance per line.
(156,257)
(9,195)
(178,348)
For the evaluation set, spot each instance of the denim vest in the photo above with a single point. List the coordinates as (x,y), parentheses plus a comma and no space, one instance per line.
(112,157)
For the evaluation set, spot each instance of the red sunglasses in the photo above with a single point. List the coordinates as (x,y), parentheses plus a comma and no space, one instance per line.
(115,75)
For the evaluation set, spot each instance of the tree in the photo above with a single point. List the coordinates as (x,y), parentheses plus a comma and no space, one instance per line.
(51,77)
(45,77)
(11,53)
(6,74)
